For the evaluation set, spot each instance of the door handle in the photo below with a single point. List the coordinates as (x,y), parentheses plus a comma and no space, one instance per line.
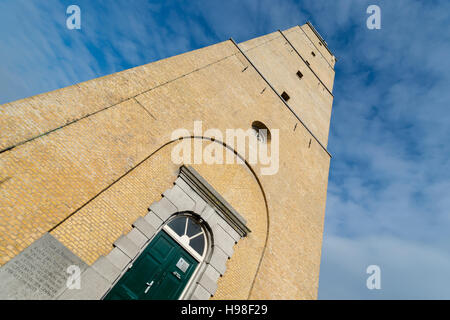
(149,285)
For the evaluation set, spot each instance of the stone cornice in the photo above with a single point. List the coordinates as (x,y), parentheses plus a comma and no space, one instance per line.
(214,199)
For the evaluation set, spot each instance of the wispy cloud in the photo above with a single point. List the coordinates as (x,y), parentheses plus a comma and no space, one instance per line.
(389,182)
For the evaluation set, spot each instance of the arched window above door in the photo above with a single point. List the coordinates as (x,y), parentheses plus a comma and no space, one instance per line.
(189,233)
(178,217)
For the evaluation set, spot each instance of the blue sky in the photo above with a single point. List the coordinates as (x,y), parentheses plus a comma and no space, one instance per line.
(388,197)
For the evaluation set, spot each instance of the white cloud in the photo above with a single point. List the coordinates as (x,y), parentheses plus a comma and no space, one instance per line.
(389,182)
(388,198)
(409,270)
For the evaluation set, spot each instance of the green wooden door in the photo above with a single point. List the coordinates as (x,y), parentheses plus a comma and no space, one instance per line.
(160,273)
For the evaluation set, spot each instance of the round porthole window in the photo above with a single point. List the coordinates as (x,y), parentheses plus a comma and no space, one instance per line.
(261,131)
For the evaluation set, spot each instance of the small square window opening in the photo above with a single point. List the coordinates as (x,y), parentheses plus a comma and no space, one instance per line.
(285,96)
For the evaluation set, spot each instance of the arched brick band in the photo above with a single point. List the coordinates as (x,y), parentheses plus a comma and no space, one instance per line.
(190,193)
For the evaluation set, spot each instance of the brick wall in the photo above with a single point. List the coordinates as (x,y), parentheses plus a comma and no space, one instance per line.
(85,161)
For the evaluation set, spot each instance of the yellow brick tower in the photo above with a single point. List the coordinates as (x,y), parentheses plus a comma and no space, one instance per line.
(89,188)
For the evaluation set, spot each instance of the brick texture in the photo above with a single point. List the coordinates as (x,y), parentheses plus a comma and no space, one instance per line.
(86,161)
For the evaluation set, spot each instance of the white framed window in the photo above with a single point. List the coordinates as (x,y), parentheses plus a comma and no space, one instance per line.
(189,233)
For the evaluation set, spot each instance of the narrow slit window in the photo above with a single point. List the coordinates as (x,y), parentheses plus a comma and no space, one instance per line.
(299,74)
(313,54)
(307,62)
(285,96)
